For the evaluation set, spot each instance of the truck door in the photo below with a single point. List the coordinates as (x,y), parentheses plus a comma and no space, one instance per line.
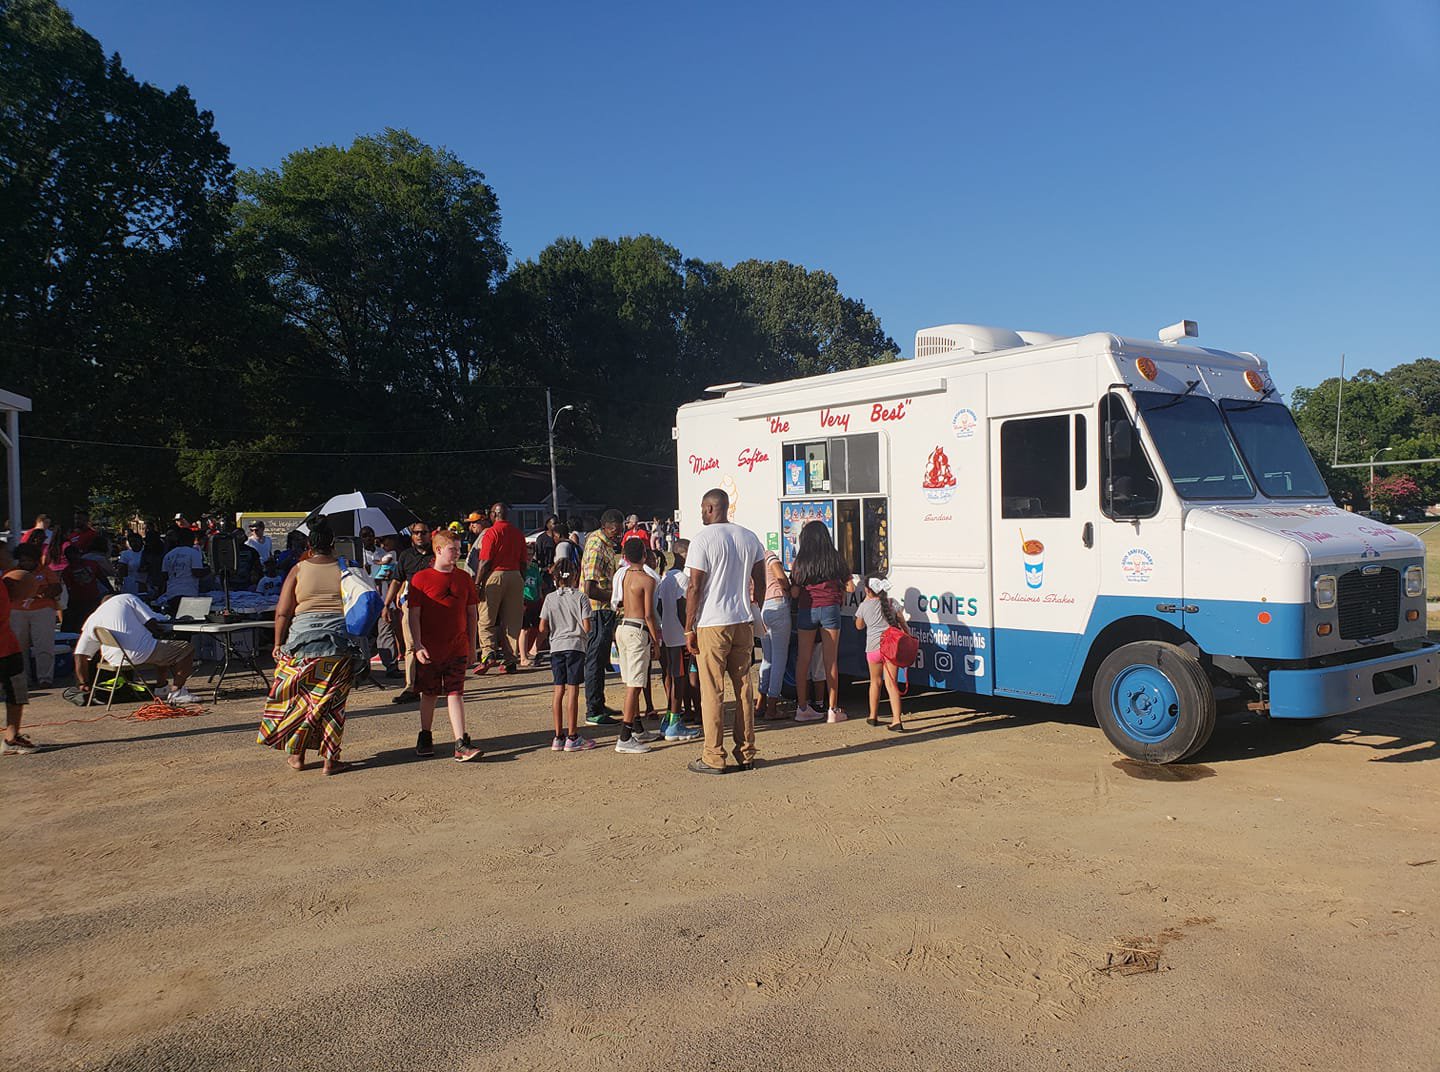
(1044,565)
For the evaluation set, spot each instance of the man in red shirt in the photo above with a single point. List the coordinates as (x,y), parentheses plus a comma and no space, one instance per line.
(503,554)
(441,609)
(634,530)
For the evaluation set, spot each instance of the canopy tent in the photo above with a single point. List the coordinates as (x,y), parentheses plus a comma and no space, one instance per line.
(12,405)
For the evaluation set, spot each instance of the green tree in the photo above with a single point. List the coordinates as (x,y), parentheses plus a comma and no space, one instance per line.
(114,195)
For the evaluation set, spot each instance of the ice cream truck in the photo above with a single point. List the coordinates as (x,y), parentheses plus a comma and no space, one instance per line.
(1133,520)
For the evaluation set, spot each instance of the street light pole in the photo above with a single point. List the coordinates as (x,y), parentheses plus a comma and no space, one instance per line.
(1377,454)
(550,424)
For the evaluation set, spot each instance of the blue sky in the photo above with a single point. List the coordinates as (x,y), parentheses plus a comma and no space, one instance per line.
(1268,169)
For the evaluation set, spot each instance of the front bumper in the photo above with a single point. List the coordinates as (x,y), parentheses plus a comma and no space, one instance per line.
(1334,690)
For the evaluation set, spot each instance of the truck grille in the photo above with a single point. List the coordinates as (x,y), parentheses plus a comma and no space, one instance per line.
(1369,605)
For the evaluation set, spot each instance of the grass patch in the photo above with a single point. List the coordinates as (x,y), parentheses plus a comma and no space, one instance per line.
(1432,557)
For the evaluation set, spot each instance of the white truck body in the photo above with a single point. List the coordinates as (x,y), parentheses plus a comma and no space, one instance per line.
(1039,505)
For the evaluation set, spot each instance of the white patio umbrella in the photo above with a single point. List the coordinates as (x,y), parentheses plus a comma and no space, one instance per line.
(351,512)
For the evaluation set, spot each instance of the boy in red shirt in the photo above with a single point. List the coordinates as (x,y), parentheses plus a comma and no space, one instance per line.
(443,614)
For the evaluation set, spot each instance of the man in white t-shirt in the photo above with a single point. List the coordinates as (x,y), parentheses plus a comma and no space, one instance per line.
(727,568)
(262,545)
(183,567)
(133,625)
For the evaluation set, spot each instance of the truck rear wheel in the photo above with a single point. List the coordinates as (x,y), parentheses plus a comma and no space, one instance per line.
(1154,701)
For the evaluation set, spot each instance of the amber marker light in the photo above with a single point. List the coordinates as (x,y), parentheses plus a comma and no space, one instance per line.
(1412,615)
(1254,380)
(1146,367)
(1323,629)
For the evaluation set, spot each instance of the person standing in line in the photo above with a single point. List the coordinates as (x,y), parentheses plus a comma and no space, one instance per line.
(16,587)
(33,616)
(670,610)
(443,614)
(314,660)
(877,614)
(410,561)
(775,644)
(637,640)
(820,578)
(727,571)
(616,596)
(564,620)
(503,554)
(597,570)
(475,525)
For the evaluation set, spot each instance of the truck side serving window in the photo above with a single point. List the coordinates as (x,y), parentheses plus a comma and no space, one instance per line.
(837,466)
(1035,467)
(1128,488)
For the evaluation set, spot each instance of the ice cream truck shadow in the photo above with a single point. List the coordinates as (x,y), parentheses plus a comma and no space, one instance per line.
(1135,521)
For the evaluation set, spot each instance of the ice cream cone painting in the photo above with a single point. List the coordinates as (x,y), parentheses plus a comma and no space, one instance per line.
(939,482)
(1034,554)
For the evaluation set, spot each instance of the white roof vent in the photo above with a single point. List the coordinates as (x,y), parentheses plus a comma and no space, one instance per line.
(964,340)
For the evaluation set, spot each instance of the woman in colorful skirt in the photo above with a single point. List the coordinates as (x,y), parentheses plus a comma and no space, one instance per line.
(313,660)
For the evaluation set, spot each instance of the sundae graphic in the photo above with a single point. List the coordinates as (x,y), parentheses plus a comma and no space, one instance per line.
(939,483)
(1034,552)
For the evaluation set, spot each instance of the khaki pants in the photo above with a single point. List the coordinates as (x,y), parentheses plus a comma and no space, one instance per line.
(726,651)
(501,613)
(35,630)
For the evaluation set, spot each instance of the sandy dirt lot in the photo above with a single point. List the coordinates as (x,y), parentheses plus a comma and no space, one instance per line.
(176,898)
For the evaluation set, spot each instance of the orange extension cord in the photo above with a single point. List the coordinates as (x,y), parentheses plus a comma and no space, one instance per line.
(147,712)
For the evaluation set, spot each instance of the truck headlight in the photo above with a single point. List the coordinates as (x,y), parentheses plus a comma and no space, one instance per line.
(1325,591)
(1415,581)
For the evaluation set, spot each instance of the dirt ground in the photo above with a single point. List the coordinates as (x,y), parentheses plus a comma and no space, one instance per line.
(176,898)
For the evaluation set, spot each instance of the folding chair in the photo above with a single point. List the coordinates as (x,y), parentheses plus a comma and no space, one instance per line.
(105,637)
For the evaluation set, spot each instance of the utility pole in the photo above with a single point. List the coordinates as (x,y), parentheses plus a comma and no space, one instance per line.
(550,420)
(1339,394)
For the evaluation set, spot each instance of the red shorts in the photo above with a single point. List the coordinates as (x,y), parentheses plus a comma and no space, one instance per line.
(444,678)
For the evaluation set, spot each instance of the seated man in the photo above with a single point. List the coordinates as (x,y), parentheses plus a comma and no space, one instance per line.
(133,625)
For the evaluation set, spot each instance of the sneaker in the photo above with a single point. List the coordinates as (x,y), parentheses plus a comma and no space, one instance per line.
(20,746)
(464,752)
(646,736)
(425,744)
(835,715)
(578,744)
(676,730)
(633,746)
(182,695)
(405,696)
(558,744)
(604,718)
(808,714)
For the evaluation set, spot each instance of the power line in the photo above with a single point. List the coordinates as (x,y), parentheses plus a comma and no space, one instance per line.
(287,453)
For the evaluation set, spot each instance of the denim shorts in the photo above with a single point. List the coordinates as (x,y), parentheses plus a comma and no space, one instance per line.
(808,619)
(567,667)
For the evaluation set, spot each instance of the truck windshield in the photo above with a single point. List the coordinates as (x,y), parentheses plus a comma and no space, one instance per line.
(1195,445)
(1272,445)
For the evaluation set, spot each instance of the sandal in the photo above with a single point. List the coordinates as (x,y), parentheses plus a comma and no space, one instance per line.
(872,721)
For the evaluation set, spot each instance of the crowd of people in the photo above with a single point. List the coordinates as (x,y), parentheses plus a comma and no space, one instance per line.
(476,598)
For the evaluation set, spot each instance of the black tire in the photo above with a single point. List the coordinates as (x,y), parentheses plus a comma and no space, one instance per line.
(1154,701)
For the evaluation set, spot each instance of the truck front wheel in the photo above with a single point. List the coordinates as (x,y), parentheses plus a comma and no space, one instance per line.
(1154,702)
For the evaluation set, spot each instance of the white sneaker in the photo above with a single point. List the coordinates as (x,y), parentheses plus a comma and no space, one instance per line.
(182,695)
(646,736)
(164,692)
(634,746)
(835,716)
(808,714)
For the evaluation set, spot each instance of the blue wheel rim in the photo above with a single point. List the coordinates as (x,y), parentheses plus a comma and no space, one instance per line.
(1145,702)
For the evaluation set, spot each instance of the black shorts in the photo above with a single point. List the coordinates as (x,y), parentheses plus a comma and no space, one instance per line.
(672,661)
(567,667)
(12,677)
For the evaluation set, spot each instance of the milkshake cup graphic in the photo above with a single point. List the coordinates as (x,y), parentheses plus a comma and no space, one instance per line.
(1034,552)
